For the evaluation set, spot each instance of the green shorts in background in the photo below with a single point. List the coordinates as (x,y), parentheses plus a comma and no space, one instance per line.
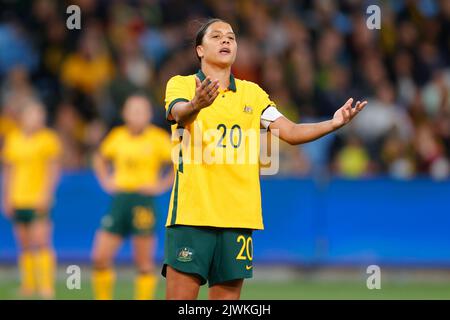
(130,214)
(27,216)
(215,255)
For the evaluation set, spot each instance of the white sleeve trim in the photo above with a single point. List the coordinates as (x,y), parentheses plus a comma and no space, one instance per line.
(269,115)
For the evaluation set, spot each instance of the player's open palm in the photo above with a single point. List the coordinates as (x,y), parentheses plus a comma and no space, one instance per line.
(205,93)
(347,112)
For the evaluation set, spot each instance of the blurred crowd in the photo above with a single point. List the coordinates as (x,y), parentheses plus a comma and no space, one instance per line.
(310,56)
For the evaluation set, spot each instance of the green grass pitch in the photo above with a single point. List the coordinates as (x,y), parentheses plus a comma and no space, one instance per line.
(259,289)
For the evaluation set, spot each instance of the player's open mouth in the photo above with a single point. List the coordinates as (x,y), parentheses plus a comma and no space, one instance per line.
(225,51)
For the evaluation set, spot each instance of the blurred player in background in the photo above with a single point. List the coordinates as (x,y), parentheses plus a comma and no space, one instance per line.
(129,166)
(215,207)
(30,174)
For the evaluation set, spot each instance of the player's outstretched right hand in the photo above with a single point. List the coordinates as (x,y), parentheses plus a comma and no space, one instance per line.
(205,93)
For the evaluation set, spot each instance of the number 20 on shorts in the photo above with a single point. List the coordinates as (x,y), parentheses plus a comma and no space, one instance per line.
(246,251)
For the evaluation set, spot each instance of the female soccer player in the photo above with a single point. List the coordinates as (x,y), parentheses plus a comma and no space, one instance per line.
(30,174)
(128,165)
(216,204)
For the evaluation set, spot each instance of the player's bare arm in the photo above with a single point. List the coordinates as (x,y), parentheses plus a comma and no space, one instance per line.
(53,174)
(101,169)
(206,92)
(294,133)
(6,204)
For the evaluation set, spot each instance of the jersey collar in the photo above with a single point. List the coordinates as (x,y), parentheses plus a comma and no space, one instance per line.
(231,87)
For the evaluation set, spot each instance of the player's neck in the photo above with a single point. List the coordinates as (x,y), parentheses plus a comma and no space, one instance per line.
(135,131)
(28,132)
(221,74)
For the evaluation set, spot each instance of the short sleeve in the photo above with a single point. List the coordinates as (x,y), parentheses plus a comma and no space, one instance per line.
(108,146)
(53,146)
(263,100)
(177,90)
(6,126)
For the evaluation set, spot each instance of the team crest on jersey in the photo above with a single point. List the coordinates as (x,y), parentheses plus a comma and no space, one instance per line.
(248,109)
(185,254)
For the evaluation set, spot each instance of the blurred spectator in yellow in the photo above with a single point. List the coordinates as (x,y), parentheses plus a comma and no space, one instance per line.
(352,161)
(90,68)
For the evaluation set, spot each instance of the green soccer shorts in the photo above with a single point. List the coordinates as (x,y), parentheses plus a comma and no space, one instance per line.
(28,216)
(130,214)
(215,255)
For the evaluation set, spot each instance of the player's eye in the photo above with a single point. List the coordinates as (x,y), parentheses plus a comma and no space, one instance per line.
(216,36)
(231,38)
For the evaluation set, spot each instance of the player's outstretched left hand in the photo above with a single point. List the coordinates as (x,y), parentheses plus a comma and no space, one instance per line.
(347,112)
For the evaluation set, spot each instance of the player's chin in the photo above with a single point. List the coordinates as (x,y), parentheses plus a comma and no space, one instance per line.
(224,60)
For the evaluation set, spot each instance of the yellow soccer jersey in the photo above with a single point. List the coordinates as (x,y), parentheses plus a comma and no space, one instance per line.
(217,176)
(29,157)
(136,159)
